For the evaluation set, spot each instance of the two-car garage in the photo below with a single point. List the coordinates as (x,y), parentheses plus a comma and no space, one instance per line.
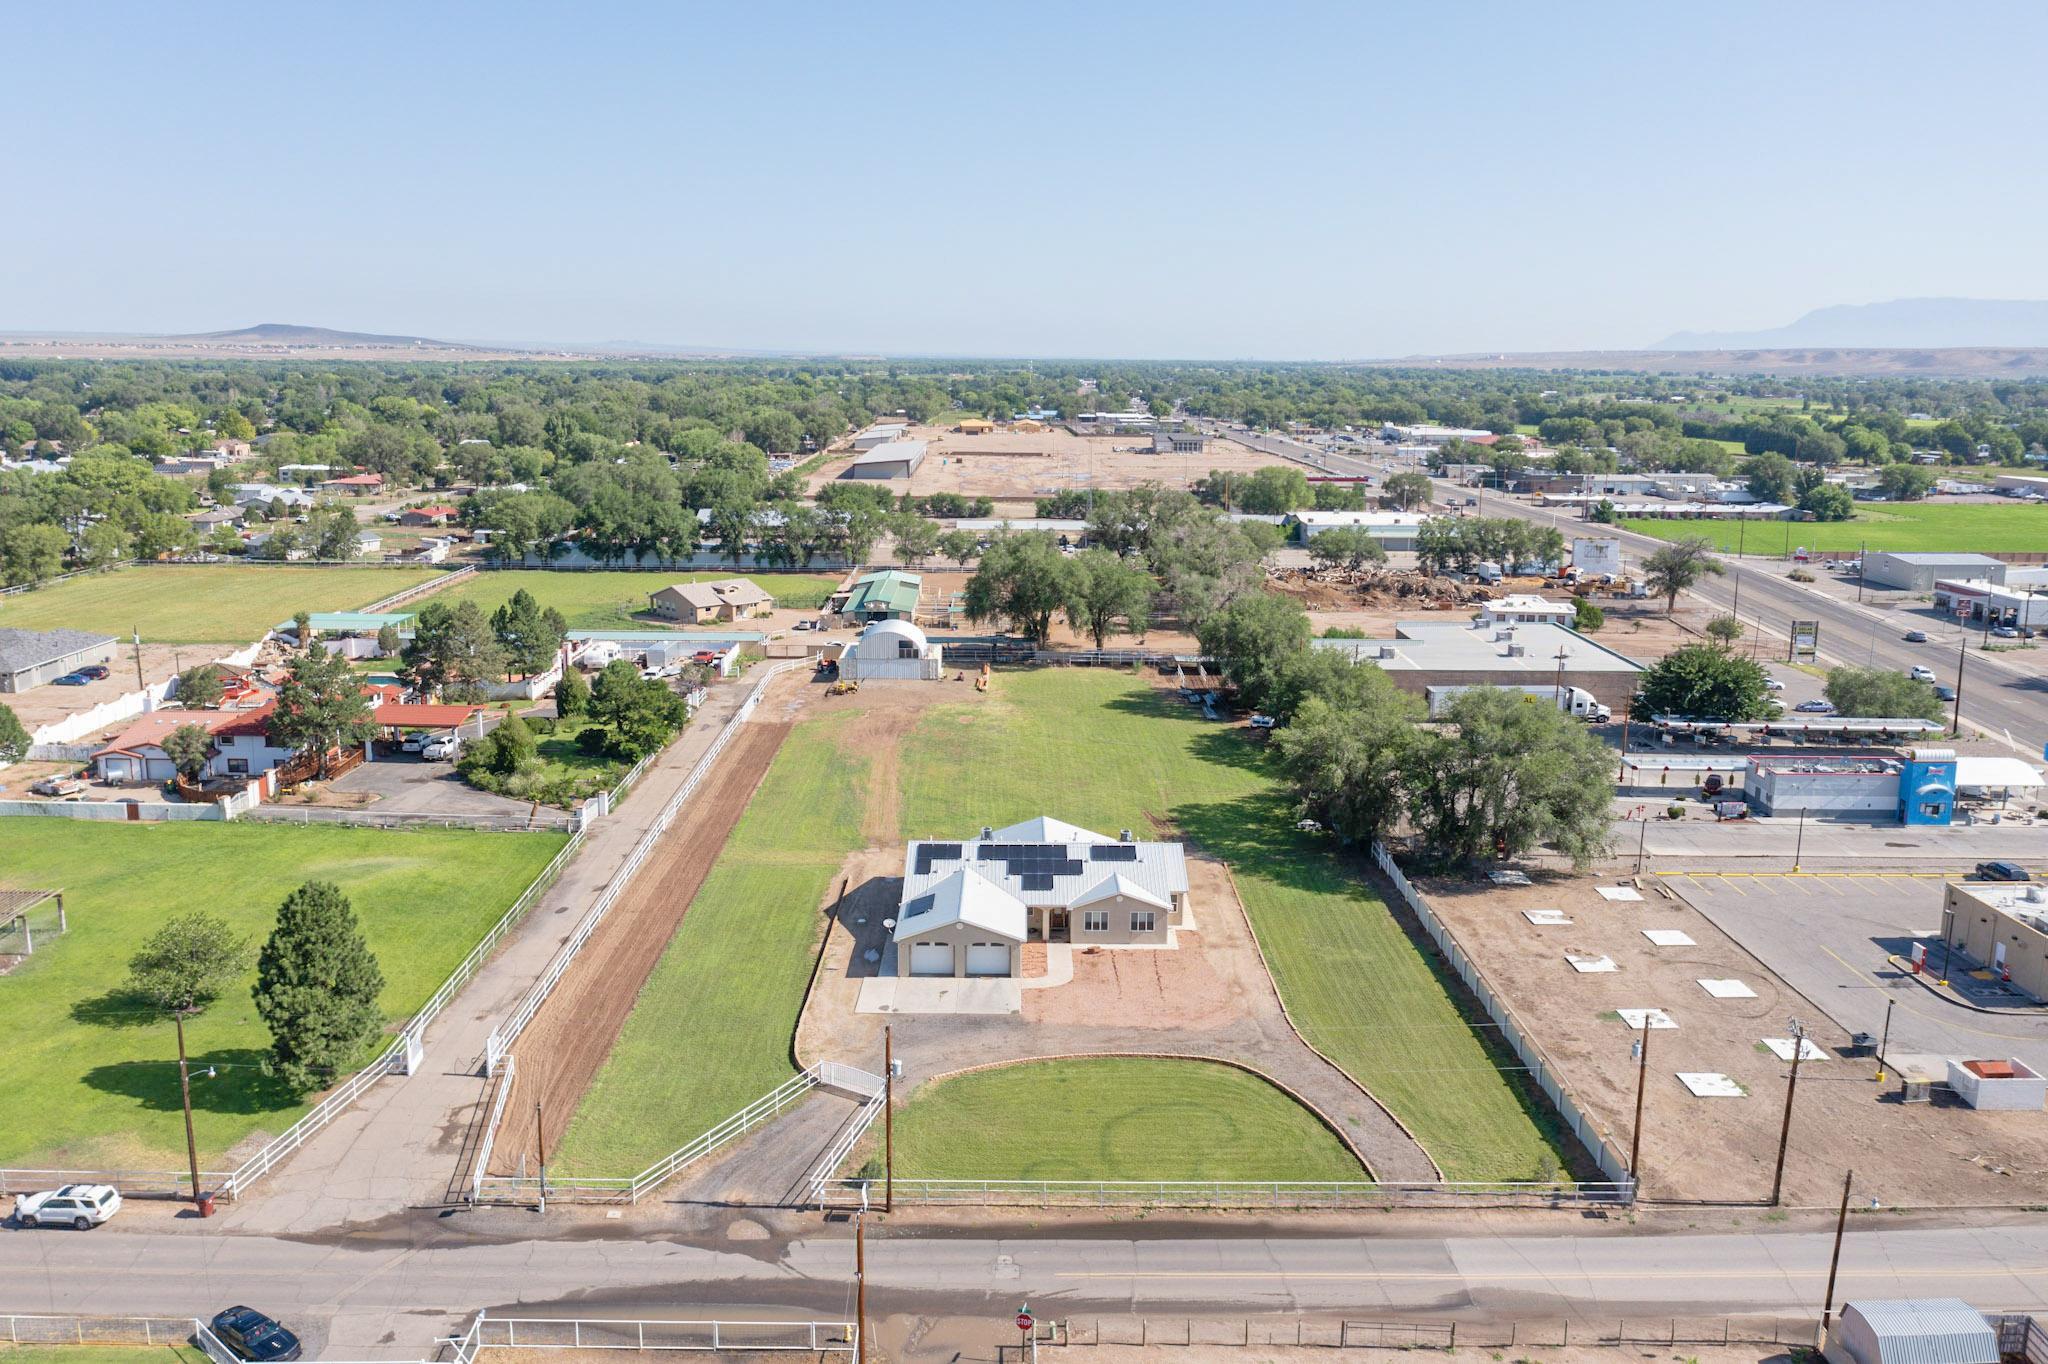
(965,925)
(940,958)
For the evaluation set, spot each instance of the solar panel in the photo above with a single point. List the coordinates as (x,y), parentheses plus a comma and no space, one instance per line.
(1113,852)
(1035,881)
(921,905)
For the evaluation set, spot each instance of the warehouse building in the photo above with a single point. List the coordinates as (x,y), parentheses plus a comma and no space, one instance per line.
(1918,572)
(1426,654)
(1178,443)
(29,658)
(879,435)
(1390,530)
(894,459)
(2002,926)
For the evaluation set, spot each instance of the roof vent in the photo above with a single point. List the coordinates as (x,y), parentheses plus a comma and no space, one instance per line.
(1124,837)
(2035,895)
(987,832)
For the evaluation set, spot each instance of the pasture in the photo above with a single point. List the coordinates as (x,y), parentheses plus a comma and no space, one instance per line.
(102,1069)
(1982,527)
(613,600)
(201,603)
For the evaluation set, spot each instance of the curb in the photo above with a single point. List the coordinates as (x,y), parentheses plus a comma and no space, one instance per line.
(1948,997)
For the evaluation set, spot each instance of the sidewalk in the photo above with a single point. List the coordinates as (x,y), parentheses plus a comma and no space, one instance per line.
(399,1147)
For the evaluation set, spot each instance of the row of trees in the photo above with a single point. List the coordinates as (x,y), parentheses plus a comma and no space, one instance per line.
(1457,544)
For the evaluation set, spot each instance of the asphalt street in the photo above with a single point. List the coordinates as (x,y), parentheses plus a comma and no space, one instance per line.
(368,1297)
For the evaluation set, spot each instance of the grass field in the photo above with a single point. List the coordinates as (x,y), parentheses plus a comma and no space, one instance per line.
(201,603)
(1105,751)
(712,1028)
(1119,1118)
(101,1354)
(607,600)
(1977,526)
(94,1080)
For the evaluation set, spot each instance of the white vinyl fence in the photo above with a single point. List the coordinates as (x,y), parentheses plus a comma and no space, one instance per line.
(28,1330)
(1195,1193)
(613,1333)
(1610,1156)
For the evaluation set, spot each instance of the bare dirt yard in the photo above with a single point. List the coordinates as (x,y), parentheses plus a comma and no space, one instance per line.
(1015,469)
(1722,1149)
(567,1042)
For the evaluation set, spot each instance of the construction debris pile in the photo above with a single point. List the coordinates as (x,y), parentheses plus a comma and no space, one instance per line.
(1339,588)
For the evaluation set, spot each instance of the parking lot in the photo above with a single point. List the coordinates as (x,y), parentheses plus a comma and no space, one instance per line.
(1834,938)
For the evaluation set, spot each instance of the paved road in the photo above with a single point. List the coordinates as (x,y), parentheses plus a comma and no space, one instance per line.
(367,1297)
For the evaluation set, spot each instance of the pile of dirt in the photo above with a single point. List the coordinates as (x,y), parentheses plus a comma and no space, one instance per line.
(1328,588)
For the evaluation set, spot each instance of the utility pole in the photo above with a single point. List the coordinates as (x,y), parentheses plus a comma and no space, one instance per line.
(1885,1040)
(1799,843)
(1642,845)
(1563,655)
(1962,652)
(185,1090)
(1635,1140)
(540,1142)
(889,1118)
(860,1287)
(1862,553)
(136,637)
(1827,1307)
(1798,1031)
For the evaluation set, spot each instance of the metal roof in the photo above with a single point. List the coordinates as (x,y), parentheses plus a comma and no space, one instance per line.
(964,897)
(1056,872)
(20,649)
(1919,1331)
(1434,647)
(887,590)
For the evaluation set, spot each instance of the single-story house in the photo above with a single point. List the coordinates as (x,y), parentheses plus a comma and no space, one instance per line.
(354,484)
(888,594)
(696,603)
(892,650)
(439,515)
(29,658)
(230,449)
(246,494)
(369,542)
(241,743)
(1423,655)
(967,906)
(213,518)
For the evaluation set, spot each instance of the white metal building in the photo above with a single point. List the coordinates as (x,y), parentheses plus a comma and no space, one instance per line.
(1911,1331)
(1917,572)
(892,459)
(892,650)
(879,435)
(1392,530)
(1526,608)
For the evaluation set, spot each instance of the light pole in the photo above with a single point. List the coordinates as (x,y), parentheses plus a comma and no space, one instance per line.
(1955,728)
(1885,1040)
(1798,1031)
(1799,843)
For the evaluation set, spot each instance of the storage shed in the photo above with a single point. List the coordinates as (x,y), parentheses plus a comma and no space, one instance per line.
(1911,1331)
(892,649)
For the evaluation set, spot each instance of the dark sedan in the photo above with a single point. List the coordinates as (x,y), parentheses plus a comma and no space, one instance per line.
(253,1336)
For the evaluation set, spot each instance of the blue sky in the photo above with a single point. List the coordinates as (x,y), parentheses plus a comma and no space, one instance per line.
(1176,180)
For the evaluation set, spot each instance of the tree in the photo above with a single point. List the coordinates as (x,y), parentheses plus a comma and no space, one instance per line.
(1678,568)
(1255,639)
(1586,615)
(1351,546)
(388,642)
(201,686)
(572,694)
(453,650)
(1604,513)
(1724,630)
(1106,595)
(641,713)
(1408,490)
(14,737)
(526,635)
(190,748)
(186,964)
(1905,482)
(1274,491)
(504,751)
(1879,693)
(916,539)
(321,706)
(1704,682)
(1022,579)
(1505,773)
(959,546)
(1770,478)
(1338,758)
(106,543)
(1828,502)
(316,987)
(302,629)
(224,540)
(32,553)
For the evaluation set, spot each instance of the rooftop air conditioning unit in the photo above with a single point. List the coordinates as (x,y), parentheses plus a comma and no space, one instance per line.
(1386,651)
(987,832)
(1516,650)
(2035,893)
(1124,836)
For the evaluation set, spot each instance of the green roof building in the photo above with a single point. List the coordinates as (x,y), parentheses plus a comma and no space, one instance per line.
(889,594)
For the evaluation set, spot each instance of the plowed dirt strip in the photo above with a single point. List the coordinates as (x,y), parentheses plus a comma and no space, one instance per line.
(568,1040)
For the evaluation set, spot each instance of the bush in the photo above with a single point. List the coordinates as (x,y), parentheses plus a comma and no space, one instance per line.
(1587,616)
(1800,575)
(539,724)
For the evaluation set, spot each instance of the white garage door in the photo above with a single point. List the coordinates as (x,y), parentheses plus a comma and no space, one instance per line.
(931,959)
(988,959)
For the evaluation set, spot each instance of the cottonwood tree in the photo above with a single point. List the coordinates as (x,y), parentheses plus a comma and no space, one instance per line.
(321,706)
(1879,693)
(1255,639)
(317,985)
(1408,490)
(1679,568)
(1107,595)
(1704,682)
(1341,760)
(1351,546)
(1505,773)
(1022,579)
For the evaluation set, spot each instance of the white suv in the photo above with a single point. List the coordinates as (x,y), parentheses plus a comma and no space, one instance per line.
(440,748)
(83,1206)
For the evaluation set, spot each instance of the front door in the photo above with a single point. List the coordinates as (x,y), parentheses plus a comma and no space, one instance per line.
(1059,929)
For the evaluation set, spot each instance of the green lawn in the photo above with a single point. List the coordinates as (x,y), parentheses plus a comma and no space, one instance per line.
(712,1029)
(93,1081)
(1105,751)
(608,600)
(201,603)
(1976,526)
(1119,1118)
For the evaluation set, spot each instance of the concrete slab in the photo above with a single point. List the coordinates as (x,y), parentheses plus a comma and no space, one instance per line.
(1781,1047)
(939,995)
(1546,918)
(1591,965)
(1727,989)
(1669,937)
(1638,1018)
(1710,1084)
(1621,894)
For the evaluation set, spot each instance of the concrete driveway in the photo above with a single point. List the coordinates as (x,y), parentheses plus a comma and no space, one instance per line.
(406,785)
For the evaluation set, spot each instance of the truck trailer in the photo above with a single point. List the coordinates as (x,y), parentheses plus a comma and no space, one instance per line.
(1571,700)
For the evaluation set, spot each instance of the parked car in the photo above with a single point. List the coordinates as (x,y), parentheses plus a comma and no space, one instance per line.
(2005,632)
(1262,722)
(74,680)
(2001,871)
(1916,636)
(1945,693)
(252,1335)
(706,656)
(412,743)
(440,748)
(58,787)
(1920,672)
(97,672)
(802,625)
(1815,708)
(1773,684)
(82,1206)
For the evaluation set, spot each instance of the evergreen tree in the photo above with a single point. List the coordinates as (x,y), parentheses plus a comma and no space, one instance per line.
(316,987)
(572,694)
(14,737)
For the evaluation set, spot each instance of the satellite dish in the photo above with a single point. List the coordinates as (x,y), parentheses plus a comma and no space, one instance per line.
(888,923)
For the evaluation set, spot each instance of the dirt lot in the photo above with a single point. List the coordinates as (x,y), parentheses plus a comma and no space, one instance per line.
(562,1049)
(41,705)
(1015,469)
(1724,1148)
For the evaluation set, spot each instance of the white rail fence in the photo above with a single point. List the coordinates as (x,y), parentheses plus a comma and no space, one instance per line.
(836,1154)
(489,1188)
(1054,1193)
(1608,1155)
(131,1183)
(39,1330)
(602,1333)
(500,1041)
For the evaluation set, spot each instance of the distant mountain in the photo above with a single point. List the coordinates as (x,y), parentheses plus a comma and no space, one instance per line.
(289,334)
(1905,323)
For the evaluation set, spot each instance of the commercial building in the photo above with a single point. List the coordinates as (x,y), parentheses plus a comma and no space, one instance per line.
(698,603)
(29,658)
(1918,789)
(879,435)
(1918,572)
(2022,606)
(968,905)
(1391,530)
(1434,435)
(887,594)
(892,650)
(2020,485)
(2003,927)
(1523,608)
(1178,443)
(1426,654)
(893,459)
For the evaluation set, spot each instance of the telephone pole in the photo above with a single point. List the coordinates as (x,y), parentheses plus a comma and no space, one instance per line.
(1827,1307)
(1635,1140)
(540,1144)
(889,1119)
(1798,1031)
(185,1091)
(860,1287)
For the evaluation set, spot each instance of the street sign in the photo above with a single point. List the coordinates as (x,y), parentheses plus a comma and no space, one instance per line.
(1023,1321)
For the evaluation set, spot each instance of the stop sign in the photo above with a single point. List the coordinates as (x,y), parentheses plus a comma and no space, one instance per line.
(1023,1321)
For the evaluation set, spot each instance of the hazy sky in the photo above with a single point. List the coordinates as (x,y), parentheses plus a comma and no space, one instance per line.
(1096,179)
